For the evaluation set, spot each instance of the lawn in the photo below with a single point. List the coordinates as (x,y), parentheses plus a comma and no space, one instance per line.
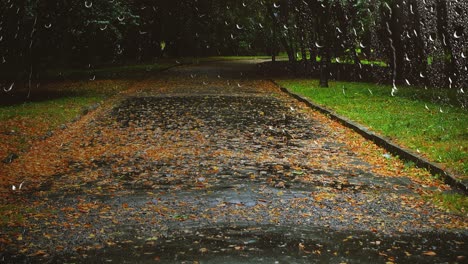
(49,107)
(412,118)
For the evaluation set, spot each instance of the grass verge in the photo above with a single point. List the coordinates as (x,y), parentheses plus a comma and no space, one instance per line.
(54,104)
(411,118)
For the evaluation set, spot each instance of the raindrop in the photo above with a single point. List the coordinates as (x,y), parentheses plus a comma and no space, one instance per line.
(362,45)
(425,106)
(421,75)
(88,4)
(355,32)
(48,25)
(411,9)
(462,91)
(232,36)
(455,35)
(338,60)
(239,27)
(394,90)
(121,18)
(3,59)
(244,4)
(339,30)
(407,82)
(239,85)
(143,32)
(431,38)
(94,78)
(260,25)
(276,5)
(440,110)
(285,27)
(370,91)
(10,88)
(318,45)
(103,28)
(406,57)
(463,55)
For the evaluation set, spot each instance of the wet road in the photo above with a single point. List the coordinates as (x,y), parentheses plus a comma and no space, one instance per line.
(207,163)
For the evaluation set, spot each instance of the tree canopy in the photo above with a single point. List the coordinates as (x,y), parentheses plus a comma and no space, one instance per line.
(415,38)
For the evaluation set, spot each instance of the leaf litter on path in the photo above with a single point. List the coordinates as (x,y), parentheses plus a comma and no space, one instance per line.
(175,153)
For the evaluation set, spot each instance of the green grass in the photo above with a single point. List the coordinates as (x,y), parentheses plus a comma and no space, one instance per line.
(119,71)
(453,202)
(411,117)
(59,110)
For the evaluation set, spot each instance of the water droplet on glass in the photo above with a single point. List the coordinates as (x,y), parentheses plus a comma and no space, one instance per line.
(407,82)
(10,88)
(121,18)
(339,30)
(425,106)
(244,4)
(48,25)
(406,57)
(318,45)
(239,26)
(421,75)
(394,90)
(88,4)
(338,60)
(103,28)
(362,45)
(455,35)
(94,78)
(285,27)
(463,55)
(143,32)
(276,5)
(260,25)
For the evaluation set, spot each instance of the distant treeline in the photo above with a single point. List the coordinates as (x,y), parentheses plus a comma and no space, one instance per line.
(422,42)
